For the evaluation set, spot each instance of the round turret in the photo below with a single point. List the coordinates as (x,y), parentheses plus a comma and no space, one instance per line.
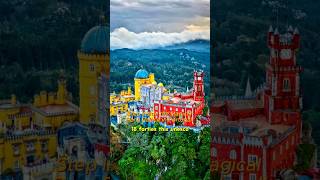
(142,74)
(96,40)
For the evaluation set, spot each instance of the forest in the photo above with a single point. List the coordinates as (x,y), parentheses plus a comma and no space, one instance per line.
(239,37)
(40,37)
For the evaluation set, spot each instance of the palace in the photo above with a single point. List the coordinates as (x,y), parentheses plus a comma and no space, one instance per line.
(265,126)
(34,136)
(155,103)
(184,107)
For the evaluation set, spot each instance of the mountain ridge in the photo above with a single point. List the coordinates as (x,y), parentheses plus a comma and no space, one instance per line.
(198,45)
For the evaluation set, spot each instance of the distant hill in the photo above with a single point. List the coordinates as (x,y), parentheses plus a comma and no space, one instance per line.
(168,55)
(195,45)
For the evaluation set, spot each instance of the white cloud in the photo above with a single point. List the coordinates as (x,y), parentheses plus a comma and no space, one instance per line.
(141,3)
(123,38)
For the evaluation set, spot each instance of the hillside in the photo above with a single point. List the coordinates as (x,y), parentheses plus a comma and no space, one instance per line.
(39,37)
(172,67)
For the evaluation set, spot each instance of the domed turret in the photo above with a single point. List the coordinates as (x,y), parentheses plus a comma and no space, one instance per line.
(142,74)
(96,40)
(94,61)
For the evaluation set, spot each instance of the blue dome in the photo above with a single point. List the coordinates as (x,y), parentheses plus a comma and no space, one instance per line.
(142,74)
(96,40)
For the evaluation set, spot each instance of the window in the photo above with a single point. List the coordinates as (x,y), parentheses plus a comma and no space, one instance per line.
(227,177)
(156,107)
(91,67)
(252,158)
(252,177)
(274,155)
(17,164)
(30,159)
(214,152)
(16,150)
(92,117)
(30,146)
(44,146)
(233,154)
(286,85)
(93,103)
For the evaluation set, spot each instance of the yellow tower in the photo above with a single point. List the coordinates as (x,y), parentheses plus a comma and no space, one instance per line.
(93,61)
(142,77)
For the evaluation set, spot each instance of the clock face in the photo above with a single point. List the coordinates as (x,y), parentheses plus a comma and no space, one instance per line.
(285,54)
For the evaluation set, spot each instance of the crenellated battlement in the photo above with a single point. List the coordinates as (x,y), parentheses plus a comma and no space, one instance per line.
(258,90)
(226,138)
(89,57)
(253,141)
(288,40)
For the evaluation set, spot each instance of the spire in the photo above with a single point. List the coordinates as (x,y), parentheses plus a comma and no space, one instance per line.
(276,31)
(296,31)
(290,29)
(270,28)
(248,92)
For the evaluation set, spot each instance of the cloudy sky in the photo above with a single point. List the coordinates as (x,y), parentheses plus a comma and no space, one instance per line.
(138,24)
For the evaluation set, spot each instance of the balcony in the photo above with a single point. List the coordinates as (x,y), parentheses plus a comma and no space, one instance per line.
(38,169)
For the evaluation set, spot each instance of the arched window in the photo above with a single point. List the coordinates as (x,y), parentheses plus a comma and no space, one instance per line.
(91,67)
(233,154)
(214,152)
(286,85)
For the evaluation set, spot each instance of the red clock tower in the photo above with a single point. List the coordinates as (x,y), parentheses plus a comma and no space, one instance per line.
(282,95)
(265,128)
(198,91)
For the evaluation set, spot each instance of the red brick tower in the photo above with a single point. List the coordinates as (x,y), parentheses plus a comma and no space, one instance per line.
(198,86)
(282,95)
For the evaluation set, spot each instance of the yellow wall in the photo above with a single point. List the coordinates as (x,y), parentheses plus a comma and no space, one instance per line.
(54,121)
(138,83)
(4,112)
(88,79)
(115,108)
(8,158)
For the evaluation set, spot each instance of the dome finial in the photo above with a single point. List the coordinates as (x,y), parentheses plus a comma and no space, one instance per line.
(103,20)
